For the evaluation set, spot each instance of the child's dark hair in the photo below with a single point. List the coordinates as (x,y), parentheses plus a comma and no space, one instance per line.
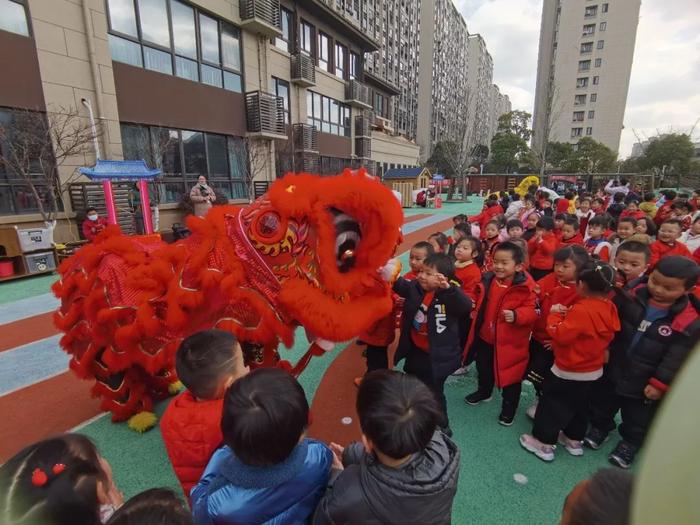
(575,253)
(477,248)
(635,247)
(600,220)
(569,195)
(424,245)
(669,194)
(598,200)
(561,216)
(397,412)
(457,219)
(619,197)
(546,223)
(493,222)
(265,413)
(677,222)
(572,220)
(649,196)
(87,212)
(679,267)
(605,500)
(598,276)
(204,359)
(442,263)
(633,201)
(681,204)
(464,228)
(529,198)
(440,238)
(512,248)
(514,223)
(651,226)
(69,496)
(629,220)
(152,507)
(491,203)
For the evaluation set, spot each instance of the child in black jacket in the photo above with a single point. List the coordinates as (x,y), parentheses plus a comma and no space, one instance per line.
(660,326)
(434,307)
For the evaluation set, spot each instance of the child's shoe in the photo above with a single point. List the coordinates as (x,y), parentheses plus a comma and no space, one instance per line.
(506,417)
(623,455)
(572,446)
(595,438)
(532,410)
(477,397)
(539,449)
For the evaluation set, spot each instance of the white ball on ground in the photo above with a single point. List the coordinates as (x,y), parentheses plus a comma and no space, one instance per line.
(520,479)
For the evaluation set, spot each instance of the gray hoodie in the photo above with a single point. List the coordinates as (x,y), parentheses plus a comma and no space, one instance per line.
(419,492)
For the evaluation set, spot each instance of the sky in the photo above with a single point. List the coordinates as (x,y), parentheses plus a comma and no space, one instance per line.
(664,93)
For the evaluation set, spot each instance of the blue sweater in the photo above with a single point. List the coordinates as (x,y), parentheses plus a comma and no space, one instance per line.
(287,493)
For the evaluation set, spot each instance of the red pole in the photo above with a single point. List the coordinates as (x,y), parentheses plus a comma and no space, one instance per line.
(146,207)
(109,202)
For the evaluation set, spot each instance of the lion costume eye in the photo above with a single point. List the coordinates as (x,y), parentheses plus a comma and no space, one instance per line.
(268,226)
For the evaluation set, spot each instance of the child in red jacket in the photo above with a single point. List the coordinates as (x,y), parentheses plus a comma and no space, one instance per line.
(596,245)
(541,248)
(499,336)
(468,259)
(570,234)
(556,292)
(491,241)
(632,210)
(559,220)
(667,242)
(207,363)
(580,336)
(491,209)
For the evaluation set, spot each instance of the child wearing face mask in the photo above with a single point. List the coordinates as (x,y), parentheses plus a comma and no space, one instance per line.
(93,224)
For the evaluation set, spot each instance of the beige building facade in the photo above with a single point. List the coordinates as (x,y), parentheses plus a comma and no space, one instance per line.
(585,59)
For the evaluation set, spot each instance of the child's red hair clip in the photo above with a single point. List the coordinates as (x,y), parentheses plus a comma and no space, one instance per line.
(39,478)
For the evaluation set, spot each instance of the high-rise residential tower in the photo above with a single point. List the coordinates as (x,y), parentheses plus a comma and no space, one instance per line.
(583,71)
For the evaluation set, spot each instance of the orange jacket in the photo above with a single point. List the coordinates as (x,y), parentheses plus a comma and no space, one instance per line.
(551,292)
(581,336)
(191,433)
(542,253)
(660,249)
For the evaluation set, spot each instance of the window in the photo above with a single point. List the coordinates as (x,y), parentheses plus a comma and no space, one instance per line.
(324,52)
(578,116)
(281,89)
(591,114)
(576,132)
(327,114)
(341,52)
(591,11)
(222,159)
(582,82)
(594,97)
(579,100)
(381,105)
(588,29)
(596,81)
(587,47)
(603,26)
(355,65)
(203,49)
(598,62)
(584,65)
(306,39)
(284,42)
(604,8)
(601,44)
(589,131)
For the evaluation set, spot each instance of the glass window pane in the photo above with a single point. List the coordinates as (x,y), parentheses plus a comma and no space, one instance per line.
(173,190)
(195,155)
(166,147)
(158,60)
(238,157)
(122,16)
(231,48)
(186,68)
(183,29)
(135,142)
(125,51)
(326,109)
(232,82)
(209,35)
(217,154)
(317,106)
(6,207)
(325,127)
(154,22)
(222,188)
(211,76)
(334,112)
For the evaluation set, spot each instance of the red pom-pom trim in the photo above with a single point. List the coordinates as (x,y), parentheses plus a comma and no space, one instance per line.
(39,478)
(58,468)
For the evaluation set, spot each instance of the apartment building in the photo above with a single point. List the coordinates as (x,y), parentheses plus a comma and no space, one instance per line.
(498,105)
(585,59)
(218,88)
(479,82)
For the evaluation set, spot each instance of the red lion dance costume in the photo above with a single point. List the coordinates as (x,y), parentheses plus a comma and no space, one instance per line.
(306,253)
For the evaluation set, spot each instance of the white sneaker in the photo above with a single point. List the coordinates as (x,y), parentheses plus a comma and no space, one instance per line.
(573,447)
(462,371)
(539,449)
(532,410)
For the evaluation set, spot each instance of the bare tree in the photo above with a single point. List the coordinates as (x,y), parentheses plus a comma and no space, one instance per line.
(257,154)
(552,112)
(37,145)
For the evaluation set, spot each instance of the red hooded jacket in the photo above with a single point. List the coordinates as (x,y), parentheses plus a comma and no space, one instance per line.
(191,431)
(551,292)
(542,253)
(660,249)
(511,347)
(485,216)
(576,239)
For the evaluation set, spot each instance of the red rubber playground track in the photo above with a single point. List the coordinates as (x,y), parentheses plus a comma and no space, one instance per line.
(62,401)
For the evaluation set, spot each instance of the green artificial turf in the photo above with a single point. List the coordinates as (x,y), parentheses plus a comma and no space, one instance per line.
(26,287)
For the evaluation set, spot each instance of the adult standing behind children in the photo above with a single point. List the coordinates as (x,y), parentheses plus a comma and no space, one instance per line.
(93,224)
(202,195)
(405,471)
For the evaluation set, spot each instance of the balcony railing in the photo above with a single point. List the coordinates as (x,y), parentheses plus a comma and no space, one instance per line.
(265,115)
(303,70)
(363,147)
(363,124)
(305,138)
(261,16)
(357,95)
(368,164)
(307,162)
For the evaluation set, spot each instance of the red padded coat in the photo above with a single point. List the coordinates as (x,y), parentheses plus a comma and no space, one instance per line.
(191,431)
(512,339)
